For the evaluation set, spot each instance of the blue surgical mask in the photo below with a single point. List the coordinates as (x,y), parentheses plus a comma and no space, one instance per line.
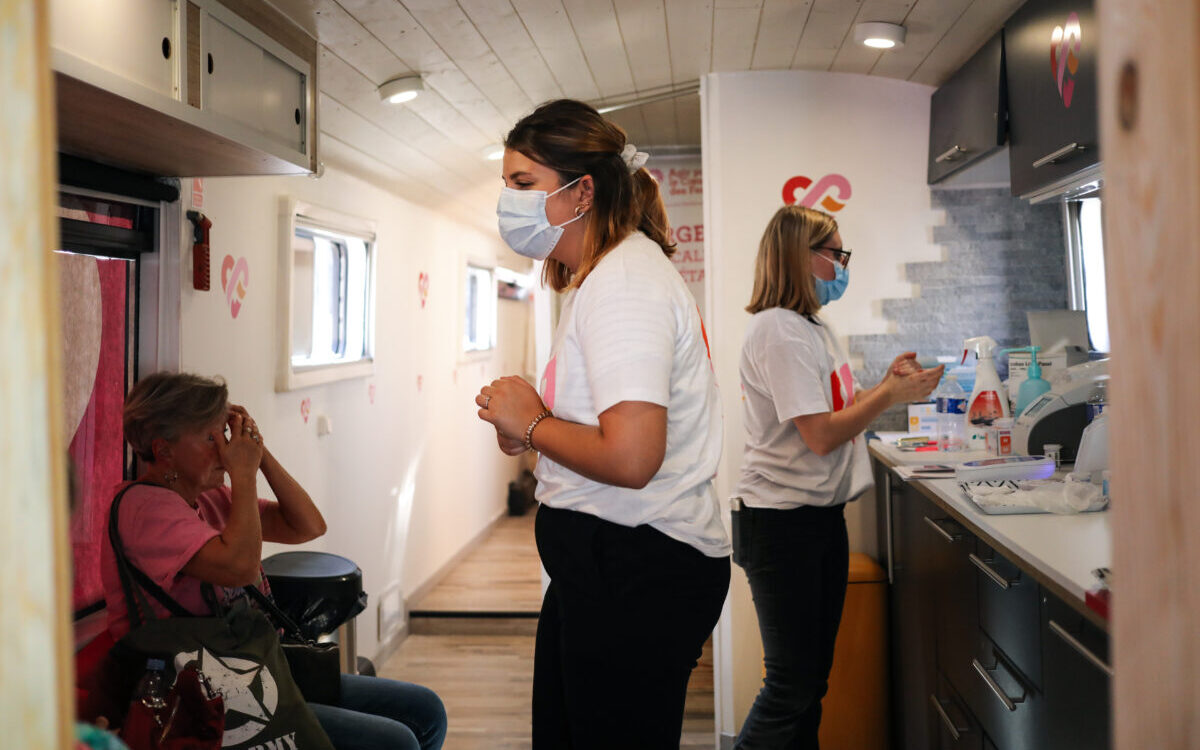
(828,291)
(523,223)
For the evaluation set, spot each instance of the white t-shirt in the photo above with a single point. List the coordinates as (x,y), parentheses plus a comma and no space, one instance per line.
(632,332)
(791,367)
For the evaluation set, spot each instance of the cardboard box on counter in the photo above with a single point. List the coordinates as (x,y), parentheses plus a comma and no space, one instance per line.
(1052,364)
(922,418)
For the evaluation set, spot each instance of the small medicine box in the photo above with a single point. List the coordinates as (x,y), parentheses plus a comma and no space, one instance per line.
(922,418)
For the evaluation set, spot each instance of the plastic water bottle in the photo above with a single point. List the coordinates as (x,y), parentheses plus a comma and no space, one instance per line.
(1098,401)
(152,688)
(951,415)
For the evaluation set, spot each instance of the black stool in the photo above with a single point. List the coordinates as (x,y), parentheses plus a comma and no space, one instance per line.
(323,593)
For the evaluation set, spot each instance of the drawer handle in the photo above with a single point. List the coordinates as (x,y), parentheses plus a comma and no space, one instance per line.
(1083,650)
(953,153)
(998,579)
(955,731)
(1009,703)
(952,538)
(1059,155)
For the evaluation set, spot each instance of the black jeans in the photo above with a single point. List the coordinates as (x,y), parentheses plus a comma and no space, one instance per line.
(797,562)
(621,627)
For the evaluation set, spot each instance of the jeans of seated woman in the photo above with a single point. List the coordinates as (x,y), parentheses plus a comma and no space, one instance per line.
(380,714)
(797,563)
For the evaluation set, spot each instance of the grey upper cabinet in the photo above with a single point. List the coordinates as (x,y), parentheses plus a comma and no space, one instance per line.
(184,88)
(1050,59)
(968,115)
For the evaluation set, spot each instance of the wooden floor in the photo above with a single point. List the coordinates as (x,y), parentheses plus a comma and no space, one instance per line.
(484,671)
(502,574)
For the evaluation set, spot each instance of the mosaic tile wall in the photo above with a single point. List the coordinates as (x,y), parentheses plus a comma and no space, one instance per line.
(1002,258)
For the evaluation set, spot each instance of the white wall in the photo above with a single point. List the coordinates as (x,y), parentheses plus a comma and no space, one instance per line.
(409,474)
(759,131)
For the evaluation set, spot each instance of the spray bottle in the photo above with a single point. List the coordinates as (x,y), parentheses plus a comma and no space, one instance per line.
(1034,384)
(988,401)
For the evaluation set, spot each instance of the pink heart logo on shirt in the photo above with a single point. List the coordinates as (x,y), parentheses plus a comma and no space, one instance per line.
(548,378)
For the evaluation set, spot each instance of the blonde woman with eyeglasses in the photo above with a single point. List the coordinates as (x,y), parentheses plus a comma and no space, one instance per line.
(805,458)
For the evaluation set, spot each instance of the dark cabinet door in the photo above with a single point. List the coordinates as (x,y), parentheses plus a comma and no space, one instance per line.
(1050,60)
(955,593)
(912,617)
(968,114)
(1009,610)
(1077,679)
(954,728)
(1009,707)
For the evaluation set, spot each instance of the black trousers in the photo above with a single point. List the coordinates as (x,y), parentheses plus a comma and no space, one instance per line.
(797,561)
(621,627)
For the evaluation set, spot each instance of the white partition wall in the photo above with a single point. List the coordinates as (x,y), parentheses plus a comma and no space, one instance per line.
(848,144)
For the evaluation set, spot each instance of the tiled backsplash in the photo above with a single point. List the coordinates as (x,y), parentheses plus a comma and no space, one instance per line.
(1003,257)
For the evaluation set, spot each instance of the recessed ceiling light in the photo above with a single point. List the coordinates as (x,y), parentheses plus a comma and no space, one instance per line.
(880,35)
(402,89)
(492,151)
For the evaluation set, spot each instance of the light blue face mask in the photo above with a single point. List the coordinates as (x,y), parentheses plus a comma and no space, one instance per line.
(523,223)
(833,289)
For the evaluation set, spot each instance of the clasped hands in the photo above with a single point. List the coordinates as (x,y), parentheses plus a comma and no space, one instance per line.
(509,404)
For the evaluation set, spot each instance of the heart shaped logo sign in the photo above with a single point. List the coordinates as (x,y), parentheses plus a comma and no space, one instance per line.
(235,279)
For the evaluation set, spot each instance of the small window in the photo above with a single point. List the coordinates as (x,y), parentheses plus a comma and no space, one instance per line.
(1089,291)
(479,318)
(329,262)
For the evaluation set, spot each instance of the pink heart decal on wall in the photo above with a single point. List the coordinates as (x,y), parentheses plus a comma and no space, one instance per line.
(305,409)
(235,278)
(371,393)
(423,287)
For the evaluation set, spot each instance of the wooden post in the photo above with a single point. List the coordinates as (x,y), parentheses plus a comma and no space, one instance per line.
(36,665)
(1150,138)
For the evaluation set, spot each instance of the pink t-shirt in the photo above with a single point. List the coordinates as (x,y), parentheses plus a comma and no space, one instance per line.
(161,533)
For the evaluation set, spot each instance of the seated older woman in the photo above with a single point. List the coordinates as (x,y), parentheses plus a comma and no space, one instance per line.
(187,527)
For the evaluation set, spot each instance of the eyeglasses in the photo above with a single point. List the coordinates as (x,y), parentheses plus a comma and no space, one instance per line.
(840,256)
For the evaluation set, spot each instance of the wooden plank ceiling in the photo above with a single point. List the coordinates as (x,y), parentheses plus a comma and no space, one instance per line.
(486,63)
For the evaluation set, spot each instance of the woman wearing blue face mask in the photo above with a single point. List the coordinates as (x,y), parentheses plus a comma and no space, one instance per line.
(628,425)
(805,458)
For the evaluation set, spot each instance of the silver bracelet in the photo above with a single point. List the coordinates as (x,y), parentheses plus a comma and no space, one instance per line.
(529,429)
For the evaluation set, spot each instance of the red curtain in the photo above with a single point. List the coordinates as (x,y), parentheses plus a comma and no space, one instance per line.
(96,448)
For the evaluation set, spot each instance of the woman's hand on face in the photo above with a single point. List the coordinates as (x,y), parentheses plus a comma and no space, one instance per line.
(509,404)
(255,433)
(242,451)
(914,386)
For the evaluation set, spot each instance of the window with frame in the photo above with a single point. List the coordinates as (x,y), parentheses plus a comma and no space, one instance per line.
(479,314)
(329,279)
(1086,267)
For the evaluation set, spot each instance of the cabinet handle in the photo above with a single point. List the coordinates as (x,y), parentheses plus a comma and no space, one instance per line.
(1009,703)
(952,538)
(951,154)
(955,731)
(988,571)
(1083,650)
(1058,155)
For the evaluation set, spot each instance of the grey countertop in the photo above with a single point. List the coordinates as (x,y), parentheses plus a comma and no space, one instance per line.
(1061,551)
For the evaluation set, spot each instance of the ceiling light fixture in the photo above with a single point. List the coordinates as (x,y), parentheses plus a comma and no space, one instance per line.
(880,35)
(492,152)
(402,89)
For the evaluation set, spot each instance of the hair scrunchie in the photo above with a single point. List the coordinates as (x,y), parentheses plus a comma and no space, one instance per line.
(633,158)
